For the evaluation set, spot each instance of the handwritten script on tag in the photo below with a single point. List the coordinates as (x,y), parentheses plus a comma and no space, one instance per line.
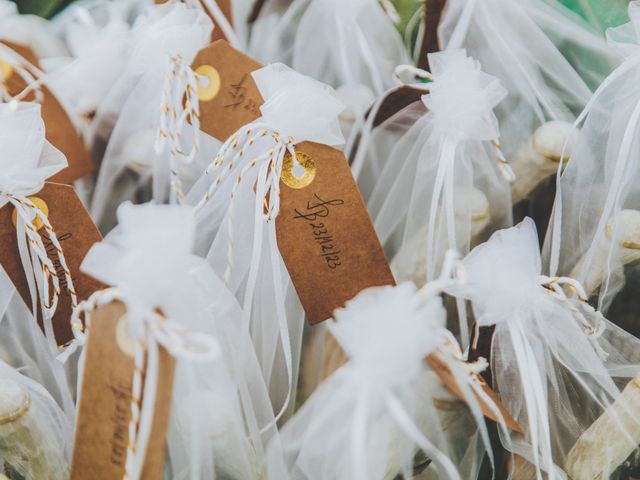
(316,210)
(104,411)
(326,238)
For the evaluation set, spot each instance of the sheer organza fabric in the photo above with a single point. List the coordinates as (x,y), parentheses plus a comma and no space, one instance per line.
(235,232)
(557,363)
(440,185)
(594,226)
(502,35)
(368,419)
(148,258)
(131,168)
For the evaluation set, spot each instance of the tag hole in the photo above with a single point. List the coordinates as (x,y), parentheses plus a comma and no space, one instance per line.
(298,174)
(208,82)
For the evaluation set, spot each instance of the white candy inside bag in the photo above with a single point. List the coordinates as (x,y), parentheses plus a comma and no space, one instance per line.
(503,36)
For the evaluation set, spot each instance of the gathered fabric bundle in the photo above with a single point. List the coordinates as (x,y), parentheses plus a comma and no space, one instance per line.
(556,362)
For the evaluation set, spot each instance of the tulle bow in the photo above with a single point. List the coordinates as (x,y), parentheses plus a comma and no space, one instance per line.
(461,97)
(298,106)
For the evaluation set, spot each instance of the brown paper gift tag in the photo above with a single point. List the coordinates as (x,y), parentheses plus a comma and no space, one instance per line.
(104,411)
(225,6)
(76,233)
(59,130)
(433,11)
(396,101)
(233,99)
(325,235)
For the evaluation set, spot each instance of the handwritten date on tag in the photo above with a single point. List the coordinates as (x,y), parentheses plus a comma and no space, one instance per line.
(76,233)
(104,412)
(326,237)
(59,129)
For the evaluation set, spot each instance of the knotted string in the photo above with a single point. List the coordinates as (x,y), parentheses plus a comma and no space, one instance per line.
(40,271)
(594,332)
(179,106)
(267,206)
(149,330)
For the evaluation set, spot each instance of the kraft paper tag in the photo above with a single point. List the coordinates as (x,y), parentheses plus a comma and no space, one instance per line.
(433,11)
(230,98)
(325,235)
(102,428)
(447,378)
(76,233)
(396,101)
(225,6)
(59,130)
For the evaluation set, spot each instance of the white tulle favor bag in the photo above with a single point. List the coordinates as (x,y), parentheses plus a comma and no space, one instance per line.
(353,46)
(96,34)
(594,233)
(220,414)
(26,162)
(556,362)
(445,182)
(238,201)
(156,136)
(545,92)
(35,435)
(369,418)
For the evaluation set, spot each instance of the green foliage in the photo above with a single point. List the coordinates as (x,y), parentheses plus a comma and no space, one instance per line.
(43,8)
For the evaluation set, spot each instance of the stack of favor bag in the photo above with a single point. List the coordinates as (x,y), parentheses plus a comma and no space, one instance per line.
(320,240)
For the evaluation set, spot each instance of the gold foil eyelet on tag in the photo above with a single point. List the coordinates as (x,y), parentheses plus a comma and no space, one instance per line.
(37,222)
(124,340)
(291,178)
(6,70)
(209,88)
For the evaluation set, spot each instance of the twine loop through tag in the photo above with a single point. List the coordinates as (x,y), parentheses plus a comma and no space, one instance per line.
(179,106)
(149,330)
(41,273)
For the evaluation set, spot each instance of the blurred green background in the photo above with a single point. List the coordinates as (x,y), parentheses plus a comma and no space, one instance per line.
(600,13)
